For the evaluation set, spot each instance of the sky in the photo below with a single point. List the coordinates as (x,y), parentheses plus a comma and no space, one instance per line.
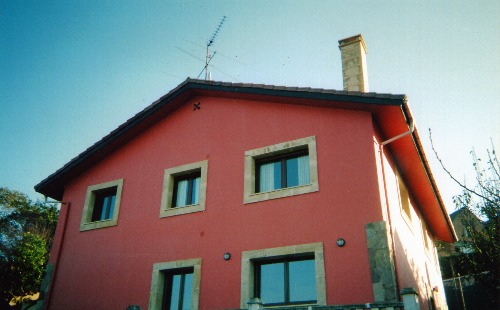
(73,71)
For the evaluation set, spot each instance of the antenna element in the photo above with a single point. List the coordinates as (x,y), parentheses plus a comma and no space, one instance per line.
(210,43)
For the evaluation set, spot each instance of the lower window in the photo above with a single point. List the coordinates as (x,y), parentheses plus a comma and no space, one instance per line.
(175,285)
(178,293)
(290,275)
(286,281)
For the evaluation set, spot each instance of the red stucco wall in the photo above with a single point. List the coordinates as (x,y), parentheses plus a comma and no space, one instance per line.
(111,268)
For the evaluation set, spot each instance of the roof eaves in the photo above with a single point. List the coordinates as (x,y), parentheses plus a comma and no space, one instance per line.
(426,166)
(306,93)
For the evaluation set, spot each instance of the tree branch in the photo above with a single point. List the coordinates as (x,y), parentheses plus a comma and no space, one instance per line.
(453,178)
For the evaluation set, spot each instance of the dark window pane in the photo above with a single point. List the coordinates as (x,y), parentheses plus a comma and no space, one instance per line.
(195,193)
(302,280)
(277,175)
(104,204)
(272,283)
(292,172)
(112,206)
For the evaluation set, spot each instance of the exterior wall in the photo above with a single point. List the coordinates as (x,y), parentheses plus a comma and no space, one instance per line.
(417,265)
(111,268)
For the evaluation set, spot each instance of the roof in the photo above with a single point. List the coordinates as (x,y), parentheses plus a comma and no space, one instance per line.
(390,112)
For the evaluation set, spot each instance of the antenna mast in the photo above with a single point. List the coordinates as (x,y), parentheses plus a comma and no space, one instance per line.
(210,43)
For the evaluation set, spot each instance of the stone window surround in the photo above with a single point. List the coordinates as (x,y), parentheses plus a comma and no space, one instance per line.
(249,194)
(247,268)
(86,221)
(166,208)
(158,281)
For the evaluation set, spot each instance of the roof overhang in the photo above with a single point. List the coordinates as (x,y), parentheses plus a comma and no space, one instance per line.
(390,113)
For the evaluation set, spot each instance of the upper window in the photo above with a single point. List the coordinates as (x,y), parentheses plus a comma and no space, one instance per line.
(281,170)
(289,275)
(187,190)
(102,204)
(405,198)
(175,285)
(184,189)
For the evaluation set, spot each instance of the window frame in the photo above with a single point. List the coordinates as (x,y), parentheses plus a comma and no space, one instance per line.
(174,174)
(286,261)
(89,205)
(282,159)
(169,275)
(404,200)
(284,149)
(189,177)
(158,281)
(251,258)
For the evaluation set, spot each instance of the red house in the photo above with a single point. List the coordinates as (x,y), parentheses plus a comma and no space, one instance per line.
(220,193)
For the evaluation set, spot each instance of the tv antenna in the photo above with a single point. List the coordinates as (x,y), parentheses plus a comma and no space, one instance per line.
(210,42)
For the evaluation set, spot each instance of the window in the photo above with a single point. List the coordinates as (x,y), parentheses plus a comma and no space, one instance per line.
(281,170)
(178,289)
(289,275)
(175,285)
(187,190)
(425,236)
(184,189)
(102,204)
(286,281)
(405,198)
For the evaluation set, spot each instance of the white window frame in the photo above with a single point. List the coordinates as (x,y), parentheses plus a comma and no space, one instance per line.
(86,221)
(249,194)
(166,208)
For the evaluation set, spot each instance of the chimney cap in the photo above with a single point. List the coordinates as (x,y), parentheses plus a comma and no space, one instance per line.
(353,39)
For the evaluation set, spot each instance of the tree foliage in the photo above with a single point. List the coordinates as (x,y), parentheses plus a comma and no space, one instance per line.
(26,233)
(483,242)
(481,257)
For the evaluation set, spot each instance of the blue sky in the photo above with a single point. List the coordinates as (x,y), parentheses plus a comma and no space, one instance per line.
(72,71)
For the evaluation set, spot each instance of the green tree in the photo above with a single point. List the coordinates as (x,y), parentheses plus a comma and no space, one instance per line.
(481,258)
(26,233)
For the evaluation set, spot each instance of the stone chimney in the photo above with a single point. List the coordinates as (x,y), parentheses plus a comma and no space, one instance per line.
(353,54)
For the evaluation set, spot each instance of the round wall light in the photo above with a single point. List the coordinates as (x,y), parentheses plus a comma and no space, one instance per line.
(227,256)
(340,242)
